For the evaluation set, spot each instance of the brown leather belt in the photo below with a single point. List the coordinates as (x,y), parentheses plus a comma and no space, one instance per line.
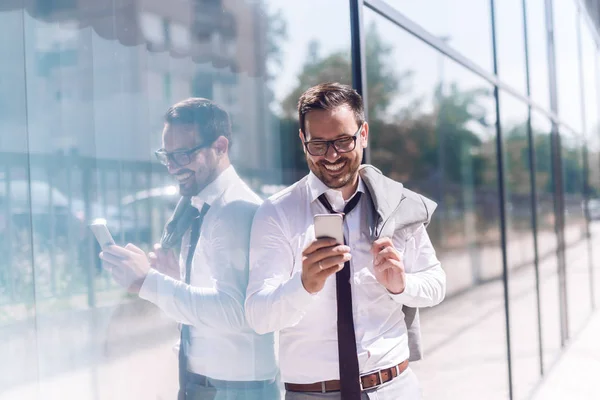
(368,381)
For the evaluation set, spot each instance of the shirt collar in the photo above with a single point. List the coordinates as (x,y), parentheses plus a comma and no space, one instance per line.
(216,188)
(317,188)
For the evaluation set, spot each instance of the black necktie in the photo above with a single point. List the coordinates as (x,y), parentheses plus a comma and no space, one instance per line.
(185,329)
(347,353)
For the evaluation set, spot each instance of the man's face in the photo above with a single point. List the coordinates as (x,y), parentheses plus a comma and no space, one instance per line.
(335,169)
(201,170)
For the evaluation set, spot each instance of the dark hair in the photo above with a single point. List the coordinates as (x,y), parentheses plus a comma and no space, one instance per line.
(211,120)
(328,96)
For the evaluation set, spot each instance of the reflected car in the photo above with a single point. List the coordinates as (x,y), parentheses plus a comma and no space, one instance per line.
(593,209)
(148,211)
(46,213)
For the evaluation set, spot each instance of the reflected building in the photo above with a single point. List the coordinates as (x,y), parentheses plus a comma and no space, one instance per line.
(102,57)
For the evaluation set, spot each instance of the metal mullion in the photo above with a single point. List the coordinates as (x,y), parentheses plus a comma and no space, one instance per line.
(359,65)
(393,15)
(502,196)
(557,172)
(533,190)
(556,154)
(560,227)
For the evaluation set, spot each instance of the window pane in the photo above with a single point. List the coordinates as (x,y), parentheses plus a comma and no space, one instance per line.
(520,248)
(547,240)
(511,43)
(567,63)
(433,130)
(576,248)
(538,52)
(590,88)
(17,285)
(473,39)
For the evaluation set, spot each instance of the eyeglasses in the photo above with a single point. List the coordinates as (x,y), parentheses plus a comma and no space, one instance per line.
(341,145)
(180,157)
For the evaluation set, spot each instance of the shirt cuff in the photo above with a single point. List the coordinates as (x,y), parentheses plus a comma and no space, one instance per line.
(149,289)
(410,291)
(296,294)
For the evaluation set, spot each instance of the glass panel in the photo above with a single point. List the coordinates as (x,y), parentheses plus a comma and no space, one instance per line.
(474,39)
(538,52)
(576,245)
(594,162)
(18,309)
(592,141)
(590,89)
(433,130)
(567,63)
(520,248)
(511,43)
(90,84)
(547,240)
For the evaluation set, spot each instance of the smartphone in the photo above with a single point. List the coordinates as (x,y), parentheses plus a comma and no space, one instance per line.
(102,233)
(331,226)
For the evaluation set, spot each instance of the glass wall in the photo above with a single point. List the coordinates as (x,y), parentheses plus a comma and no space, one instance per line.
(439,118)
(83,89)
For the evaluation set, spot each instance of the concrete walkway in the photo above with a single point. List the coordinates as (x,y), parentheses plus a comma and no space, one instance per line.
(576,375)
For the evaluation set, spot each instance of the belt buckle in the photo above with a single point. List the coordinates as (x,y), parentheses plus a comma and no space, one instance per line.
(371,387)
(380,379)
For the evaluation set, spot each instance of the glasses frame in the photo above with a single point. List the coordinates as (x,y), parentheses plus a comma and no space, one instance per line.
(330,143)
(170,155)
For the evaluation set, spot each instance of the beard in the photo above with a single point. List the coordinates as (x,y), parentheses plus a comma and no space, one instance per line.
(199,179)
(335,179)
(188,187)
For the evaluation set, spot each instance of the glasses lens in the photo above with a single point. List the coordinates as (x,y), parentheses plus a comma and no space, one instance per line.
(181,159)
(161,157)
(317,148)
(345,145)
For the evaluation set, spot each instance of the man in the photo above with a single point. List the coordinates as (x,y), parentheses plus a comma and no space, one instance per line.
(339,307)
(220,356)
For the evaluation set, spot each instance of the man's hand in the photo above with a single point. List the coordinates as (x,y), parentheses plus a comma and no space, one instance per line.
(164,261)
(128,265)
(388,266)
(321,259)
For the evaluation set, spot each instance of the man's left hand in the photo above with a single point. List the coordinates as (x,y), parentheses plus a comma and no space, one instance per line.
(388,266)
(128,265)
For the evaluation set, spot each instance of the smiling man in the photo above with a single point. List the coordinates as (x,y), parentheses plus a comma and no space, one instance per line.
(220,356)
(339,308)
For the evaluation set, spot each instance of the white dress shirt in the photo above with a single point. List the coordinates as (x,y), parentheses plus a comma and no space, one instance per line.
(222,345)
(277,301)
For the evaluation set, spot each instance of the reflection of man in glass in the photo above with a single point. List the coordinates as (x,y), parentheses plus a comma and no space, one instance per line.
(220,356)
(339,306)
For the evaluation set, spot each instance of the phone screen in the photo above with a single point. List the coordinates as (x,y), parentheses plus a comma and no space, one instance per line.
(329,225)
(102,233)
